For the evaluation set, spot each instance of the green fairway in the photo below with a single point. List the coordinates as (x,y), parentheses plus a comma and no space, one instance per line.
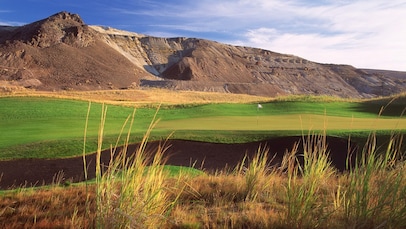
(36,127)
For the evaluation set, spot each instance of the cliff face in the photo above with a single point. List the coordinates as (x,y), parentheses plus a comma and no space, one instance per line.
(61,52)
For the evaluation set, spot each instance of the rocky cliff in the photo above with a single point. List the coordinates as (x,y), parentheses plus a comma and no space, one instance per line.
(63,53)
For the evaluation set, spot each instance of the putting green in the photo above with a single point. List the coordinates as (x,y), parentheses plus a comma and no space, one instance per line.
(283,122)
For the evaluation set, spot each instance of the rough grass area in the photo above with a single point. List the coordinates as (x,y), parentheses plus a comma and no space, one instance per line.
(309,194)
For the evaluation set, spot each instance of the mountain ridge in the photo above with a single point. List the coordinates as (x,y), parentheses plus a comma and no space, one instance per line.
(61,52)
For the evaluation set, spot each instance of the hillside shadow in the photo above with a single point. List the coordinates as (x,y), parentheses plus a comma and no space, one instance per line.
(382,108)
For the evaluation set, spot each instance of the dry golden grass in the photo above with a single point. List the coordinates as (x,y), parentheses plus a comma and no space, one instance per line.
(153,96)
(219,201)
(208,201)
(140,97)
(310,194)
(55,207)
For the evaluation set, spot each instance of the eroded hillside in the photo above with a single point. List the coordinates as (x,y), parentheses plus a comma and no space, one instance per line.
(63,53)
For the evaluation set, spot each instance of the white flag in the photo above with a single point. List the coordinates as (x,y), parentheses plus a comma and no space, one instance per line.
(259,106)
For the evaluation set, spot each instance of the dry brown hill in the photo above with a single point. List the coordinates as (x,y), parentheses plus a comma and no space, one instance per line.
(63,53)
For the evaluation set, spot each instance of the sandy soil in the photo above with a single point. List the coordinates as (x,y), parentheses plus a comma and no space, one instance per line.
(207,156)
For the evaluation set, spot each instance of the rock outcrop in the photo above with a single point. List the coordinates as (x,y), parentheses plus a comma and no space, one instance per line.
(63,53)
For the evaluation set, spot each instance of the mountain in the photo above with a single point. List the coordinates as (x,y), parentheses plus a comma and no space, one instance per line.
(61,52)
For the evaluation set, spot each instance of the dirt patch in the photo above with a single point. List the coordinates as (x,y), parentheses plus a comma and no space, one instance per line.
(206,156)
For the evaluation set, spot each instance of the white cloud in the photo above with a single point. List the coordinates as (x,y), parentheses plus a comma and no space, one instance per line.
(8,22)
(363,33)
(366,34)
(11,23)
(313,46)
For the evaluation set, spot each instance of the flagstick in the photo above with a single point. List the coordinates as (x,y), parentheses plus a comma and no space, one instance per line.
(257,115)
(258,107)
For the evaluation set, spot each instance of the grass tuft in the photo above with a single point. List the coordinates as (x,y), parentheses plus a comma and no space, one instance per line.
(308,175)
(375,187)
(132,190)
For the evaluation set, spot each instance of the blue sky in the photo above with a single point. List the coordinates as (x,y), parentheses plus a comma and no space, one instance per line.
(362,33)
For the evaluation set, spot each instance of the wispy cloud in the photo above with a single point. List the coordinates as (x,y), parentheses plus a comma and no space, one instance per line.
(11,23)
(368,34)
(6,22)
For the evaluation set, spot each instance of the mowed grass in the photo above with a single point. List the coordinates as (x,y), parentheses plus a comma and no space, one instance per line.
(43,127)
(29,119)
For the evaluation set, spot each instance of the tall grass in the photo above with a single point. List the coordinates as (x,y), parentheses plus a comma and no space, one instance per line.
(132,190)
(255,173)
(374,191)
(308,174)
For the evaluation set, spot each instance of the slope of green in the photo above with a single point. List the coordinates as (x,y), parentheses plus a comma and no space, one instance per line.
(46,127)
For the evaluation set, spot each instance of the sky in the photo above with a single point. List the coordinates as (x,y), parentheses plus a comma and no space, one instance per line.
(361,33)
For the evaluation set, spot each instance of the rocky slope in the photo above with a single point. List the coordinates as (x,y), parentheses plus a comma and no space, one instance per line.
(63,53)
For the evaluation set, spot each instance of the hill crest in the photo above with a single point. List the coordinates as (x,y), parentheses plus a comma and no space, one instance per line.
(61,52)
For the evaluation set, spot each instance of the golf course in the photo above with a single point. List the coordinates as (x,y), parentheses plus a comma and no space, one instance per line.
(221,156)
